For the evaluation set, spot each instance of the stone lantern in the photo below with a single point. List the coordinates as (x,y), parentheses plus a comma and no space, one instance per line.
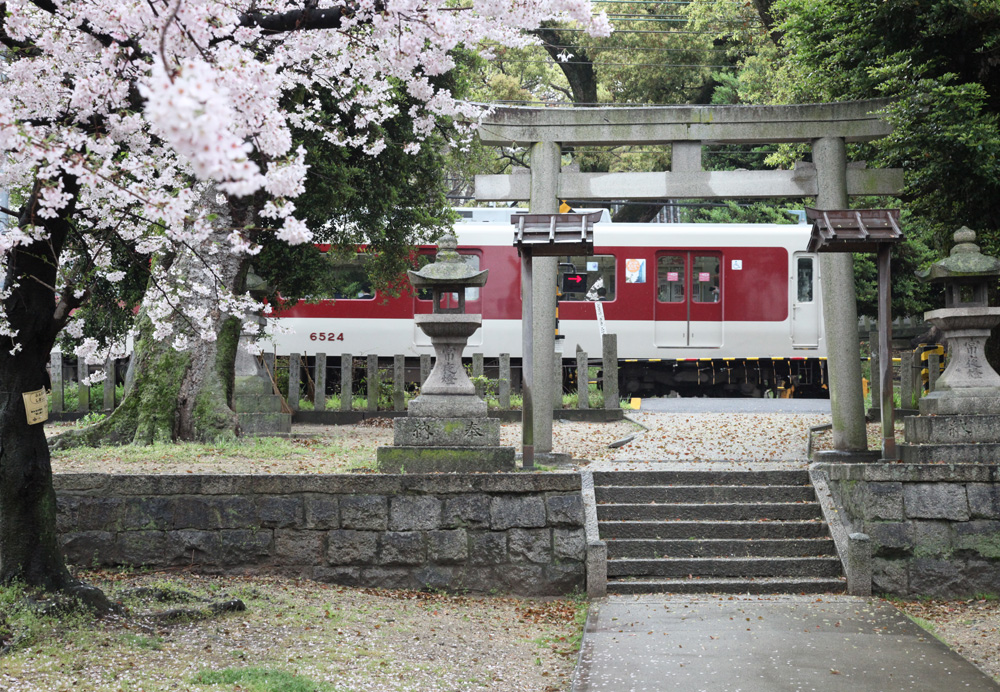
(968,385)
(446,428)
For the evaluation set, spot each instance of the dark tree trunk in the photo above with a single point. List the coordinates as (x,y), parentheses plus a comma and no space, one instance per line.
(579,69)
(763,8)
(29,545)
(636,213)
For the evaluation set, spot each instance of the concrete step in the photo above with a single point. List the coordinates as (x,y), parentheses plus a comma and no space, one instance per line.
(723,511)
(730,478)
(703,530)
(721,547)
(690,494)
(985,453)
(755,585)
(728,567)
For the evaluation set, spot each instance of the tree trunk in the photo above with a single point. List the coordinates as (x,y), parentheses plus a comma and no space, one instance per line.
(578,69)
(29,547)
(186,394)
(29,544)
(763,8)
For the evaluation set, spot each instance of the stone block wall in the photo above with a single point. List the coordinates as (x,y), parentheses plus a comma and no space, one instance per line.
(934,528)
(516,533)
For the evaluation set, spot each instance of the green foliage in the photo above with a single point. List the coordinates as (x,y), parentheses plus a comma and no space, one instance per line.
(937,62)
(261,680)
(71,399)
(91,418)
(731,211)
(109,312)
(388,203)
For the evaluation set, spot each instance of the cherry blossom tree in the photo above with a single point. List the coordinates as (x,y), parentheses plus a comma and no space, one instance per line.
(165,127)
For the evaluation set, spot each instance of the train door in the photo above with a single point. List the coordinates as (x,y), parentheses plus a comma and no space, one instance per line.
(705,325)
(805,306)
(423,305)
(688,307)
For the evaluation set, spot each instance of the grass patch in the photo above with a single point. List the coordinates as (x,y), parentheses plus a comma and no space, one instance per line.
(321,454)
(29,618)
(261,680)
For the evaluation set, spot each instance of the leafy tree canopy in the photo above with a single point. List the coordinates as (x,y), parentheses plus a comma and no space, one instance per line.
(938,62)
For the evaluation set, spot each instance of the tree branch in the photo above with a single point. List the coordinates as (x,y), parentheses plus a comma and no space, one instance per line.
(307,19)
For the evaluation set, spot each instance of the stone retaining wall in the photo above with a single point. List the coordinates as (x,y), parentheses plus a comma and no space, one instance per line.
(934,528)
(520,533)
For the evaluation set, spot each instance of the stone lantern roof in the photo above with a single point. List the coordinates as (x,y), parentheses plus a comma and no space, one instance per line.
(448,270)
(964,262)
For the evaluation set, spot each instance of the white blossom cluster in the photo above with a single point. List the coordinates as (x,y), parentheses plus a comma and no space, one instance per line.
(136,99)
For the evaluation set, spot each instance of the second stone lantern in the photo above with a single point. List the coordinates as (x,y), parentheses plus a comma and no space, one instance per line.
(446,427)
(968,385)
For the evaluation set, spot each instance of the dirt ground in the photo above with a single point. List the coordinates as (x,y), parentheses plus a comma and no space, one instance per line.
(306,635)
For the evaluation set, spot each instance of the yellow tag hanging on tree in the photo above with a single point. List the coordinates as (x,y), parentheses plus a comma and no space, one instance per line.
(36,406)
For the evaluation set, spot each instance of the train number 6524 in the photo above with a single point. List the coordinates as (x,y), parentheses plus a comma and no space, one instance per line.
(326,336)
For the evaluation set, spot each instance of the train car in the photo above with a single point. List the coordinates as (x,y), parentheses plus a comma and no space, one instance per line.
(715,309)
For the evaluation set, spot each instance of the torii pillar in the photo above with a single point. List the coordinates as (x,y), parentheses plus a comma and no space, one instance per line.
(546,163)
(840,308)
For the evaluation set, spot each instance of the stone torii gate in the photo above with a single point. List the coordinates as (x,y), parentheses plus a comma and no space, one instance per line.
(829,178)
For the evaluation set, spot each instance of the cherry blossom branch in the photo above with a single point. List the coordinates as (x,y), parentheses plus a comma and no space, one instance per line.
(6,40)
(163,38)
(85,26)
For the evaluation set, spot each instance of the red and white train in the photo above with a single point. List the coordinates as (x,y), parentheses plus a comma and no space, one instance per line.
(723,309)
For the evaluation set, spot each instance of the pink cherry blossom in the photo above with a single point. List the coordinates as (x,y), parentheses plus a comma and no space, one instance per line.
(161,112)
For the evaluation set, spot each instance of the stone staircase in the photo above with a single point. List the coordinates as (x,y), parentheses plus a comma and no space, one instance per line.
(715,531)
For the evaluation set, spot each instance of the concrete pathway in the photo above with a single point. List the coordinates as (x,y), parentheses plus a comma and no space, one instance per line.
(722,643)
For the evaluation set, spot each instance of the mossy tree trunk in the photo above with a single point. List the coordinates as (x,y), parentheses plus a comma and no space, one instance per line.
(182,395)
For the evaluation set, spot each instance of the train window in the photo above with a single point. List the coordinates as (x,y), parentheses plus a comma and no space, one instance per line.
(348,278)
(705,273)
(670,278)
(805,276)
(597,274)
(471,293)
